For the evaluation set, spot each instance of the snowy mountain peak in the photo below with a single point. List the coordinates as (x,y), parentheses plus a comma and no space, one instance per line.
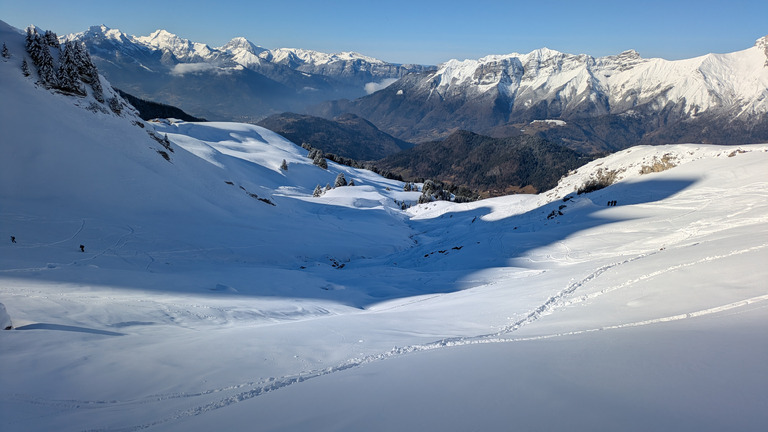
(762,44)
(243,52)
(304,56)
(163,39)
(240,44)
(98,33)
(544,54)
(183,49)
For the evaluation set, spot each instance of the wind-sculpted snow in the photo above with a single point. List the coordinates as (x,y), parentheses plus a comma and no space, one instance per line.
(194,305)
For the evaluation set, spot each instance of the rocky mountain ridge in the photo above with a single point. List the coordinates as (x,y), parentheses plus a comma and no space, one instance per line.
(169,69)
(500,94)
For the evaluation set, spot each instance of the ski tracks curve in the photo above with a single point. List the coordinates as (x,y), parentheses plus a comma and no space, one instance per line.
(252,389)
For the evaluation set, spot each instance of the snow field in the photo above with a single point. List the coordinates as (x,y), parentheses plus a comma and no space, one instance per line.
(197,306)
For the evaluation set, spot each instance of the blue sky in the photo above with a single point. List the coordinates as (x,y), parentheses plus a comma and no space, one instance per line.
(427,32)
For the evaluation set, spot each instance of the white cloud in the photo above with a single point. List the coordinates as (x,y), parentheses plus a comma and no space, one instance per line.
(186,68)
(372,87)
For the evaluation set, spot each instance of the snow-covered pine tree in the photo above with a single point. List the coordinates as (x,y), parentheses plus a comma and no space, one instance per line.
(429,187)
(115,105)
(30,40)
(6,54)
(41,57)
(89,74)
(25,68)
(340,180)
(46,69)
(320,161)
(167,143)
(351,182)
(284,167)
(317,192)
(98,93)
(327,187)
(68,74)
(51,39)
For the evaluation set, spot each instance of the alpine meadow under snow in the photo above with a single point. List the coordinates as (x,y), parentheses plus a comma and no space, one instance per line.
(214,292)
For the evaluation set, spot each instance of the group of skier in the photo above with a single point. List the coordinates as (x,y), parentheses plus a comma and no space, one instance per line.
(13,240)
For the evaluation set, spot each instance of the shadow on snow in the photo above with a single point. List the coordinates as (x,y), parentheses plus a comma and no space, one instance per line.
(446,251)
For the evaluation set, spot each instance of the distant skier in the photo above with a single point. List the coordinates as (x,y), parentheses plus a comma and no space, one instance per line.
(13,239)
(82,248)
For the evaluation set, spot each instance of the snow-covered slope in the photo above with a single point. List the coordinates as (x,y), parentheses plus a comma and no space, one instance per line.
(196,306)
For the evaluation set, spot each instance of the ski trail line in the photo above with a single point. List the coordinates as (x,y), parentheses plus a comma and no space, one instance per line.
(272,384)
(237,393)
(662,271)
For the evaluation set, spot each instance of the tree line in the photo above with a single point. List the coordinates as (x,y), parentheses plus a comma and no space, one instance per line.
(64,67)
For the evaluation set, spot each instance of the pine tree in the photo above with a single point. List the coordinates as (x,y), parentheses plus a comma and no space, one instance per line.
(51,39)
(327,187)
(351,182)
(115,106)
(89,74)
(284,167)
(82,60)
(41,57)
(320,161)
(98,93)
(6,54)
(68,76)
(340,180)
(317,192)
(45,69)
(25,68)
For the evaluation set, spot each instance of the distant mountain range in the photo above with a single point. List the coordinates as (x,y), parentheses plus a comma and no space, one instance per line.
(599,104)
(238,81)
(586,103)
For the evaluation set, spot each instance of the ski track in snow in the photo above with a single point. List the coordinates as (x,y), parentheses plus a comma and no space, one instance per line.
(263,386)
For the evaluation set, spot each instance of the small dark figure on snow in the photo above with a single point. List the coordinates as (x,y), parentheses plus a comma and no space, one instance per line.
(13,239)
(82,248)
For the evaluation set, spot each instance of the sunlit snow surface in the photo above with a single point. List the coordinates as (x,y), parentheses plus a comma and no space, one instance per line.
(196,306)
